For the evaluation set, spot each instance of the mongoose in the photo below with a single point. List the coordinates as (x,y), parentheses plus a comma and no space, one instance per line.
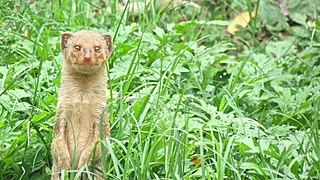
(82,100)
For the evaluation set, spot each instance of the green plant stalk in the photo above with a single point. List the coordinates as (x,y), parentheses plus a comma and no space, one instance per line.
(203,167)
(120,22)
(186,128)
(231,85)
(116,163)
(253,19)
(102,138)
(37,83)
(132,68)
(128,157)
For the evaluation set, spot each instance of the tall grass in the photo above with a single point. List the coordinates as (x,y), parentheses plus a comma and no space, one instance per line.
(186,100)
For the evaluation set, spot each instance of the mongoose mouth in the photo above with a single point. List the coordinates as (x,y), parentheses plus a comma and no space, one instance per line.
(86,67)
(87,64)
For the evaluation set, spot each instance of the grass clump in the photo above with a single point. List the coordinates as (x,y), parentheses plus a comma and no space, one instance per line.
(187,100)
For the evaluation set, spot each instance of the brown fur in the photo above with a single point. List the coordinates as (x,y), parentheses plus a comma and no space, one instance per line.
(82,100)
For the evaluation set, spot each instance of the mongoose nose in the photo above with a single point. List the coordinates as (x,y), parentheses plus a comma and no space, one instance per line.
(87,58)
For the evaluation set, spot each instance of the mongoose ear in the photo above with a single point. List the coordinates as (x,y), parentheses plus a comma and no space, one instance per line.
(108,39)
(64,40)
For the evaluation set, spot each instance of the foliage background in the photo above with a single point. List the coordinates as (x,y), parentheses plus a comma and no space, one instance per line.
(188,100)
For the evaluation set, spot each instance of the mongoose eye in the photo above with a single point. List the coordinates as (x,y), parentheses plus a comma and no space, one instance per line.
(97,49)
(77,48)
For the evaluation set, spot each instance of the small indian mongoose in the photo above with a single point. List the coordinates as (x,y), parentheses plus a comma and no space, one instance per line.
(82,100)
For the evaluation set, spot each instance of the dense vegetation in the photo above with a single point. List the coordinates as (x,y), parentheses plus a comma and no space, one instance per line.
(188,100)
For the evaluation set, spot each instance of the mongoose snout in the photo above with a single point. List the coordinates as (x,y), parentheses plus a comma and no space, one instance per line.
(87,55)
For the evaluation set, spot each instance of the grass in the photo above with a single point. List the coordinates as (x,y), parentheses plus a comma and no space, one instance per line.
(187,100)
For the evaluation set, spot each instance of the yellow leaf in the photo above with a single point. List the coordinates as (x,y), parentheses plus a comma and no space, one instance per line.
(196,160)
(240,20)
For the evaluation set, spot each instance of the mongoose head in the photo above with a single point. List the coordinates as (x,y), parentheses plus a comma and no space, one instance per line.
(86,51)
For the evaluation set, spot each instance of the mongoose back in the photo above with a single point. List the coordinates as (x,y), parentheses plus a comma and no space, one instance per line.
(82,100)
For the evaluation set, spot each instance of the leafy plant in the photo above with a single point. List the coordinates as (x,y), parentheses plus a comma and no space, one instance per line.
(187,101)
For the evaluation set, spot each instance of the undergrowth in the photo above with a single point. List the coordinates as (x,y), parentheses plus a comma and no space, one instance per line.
(187,100)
